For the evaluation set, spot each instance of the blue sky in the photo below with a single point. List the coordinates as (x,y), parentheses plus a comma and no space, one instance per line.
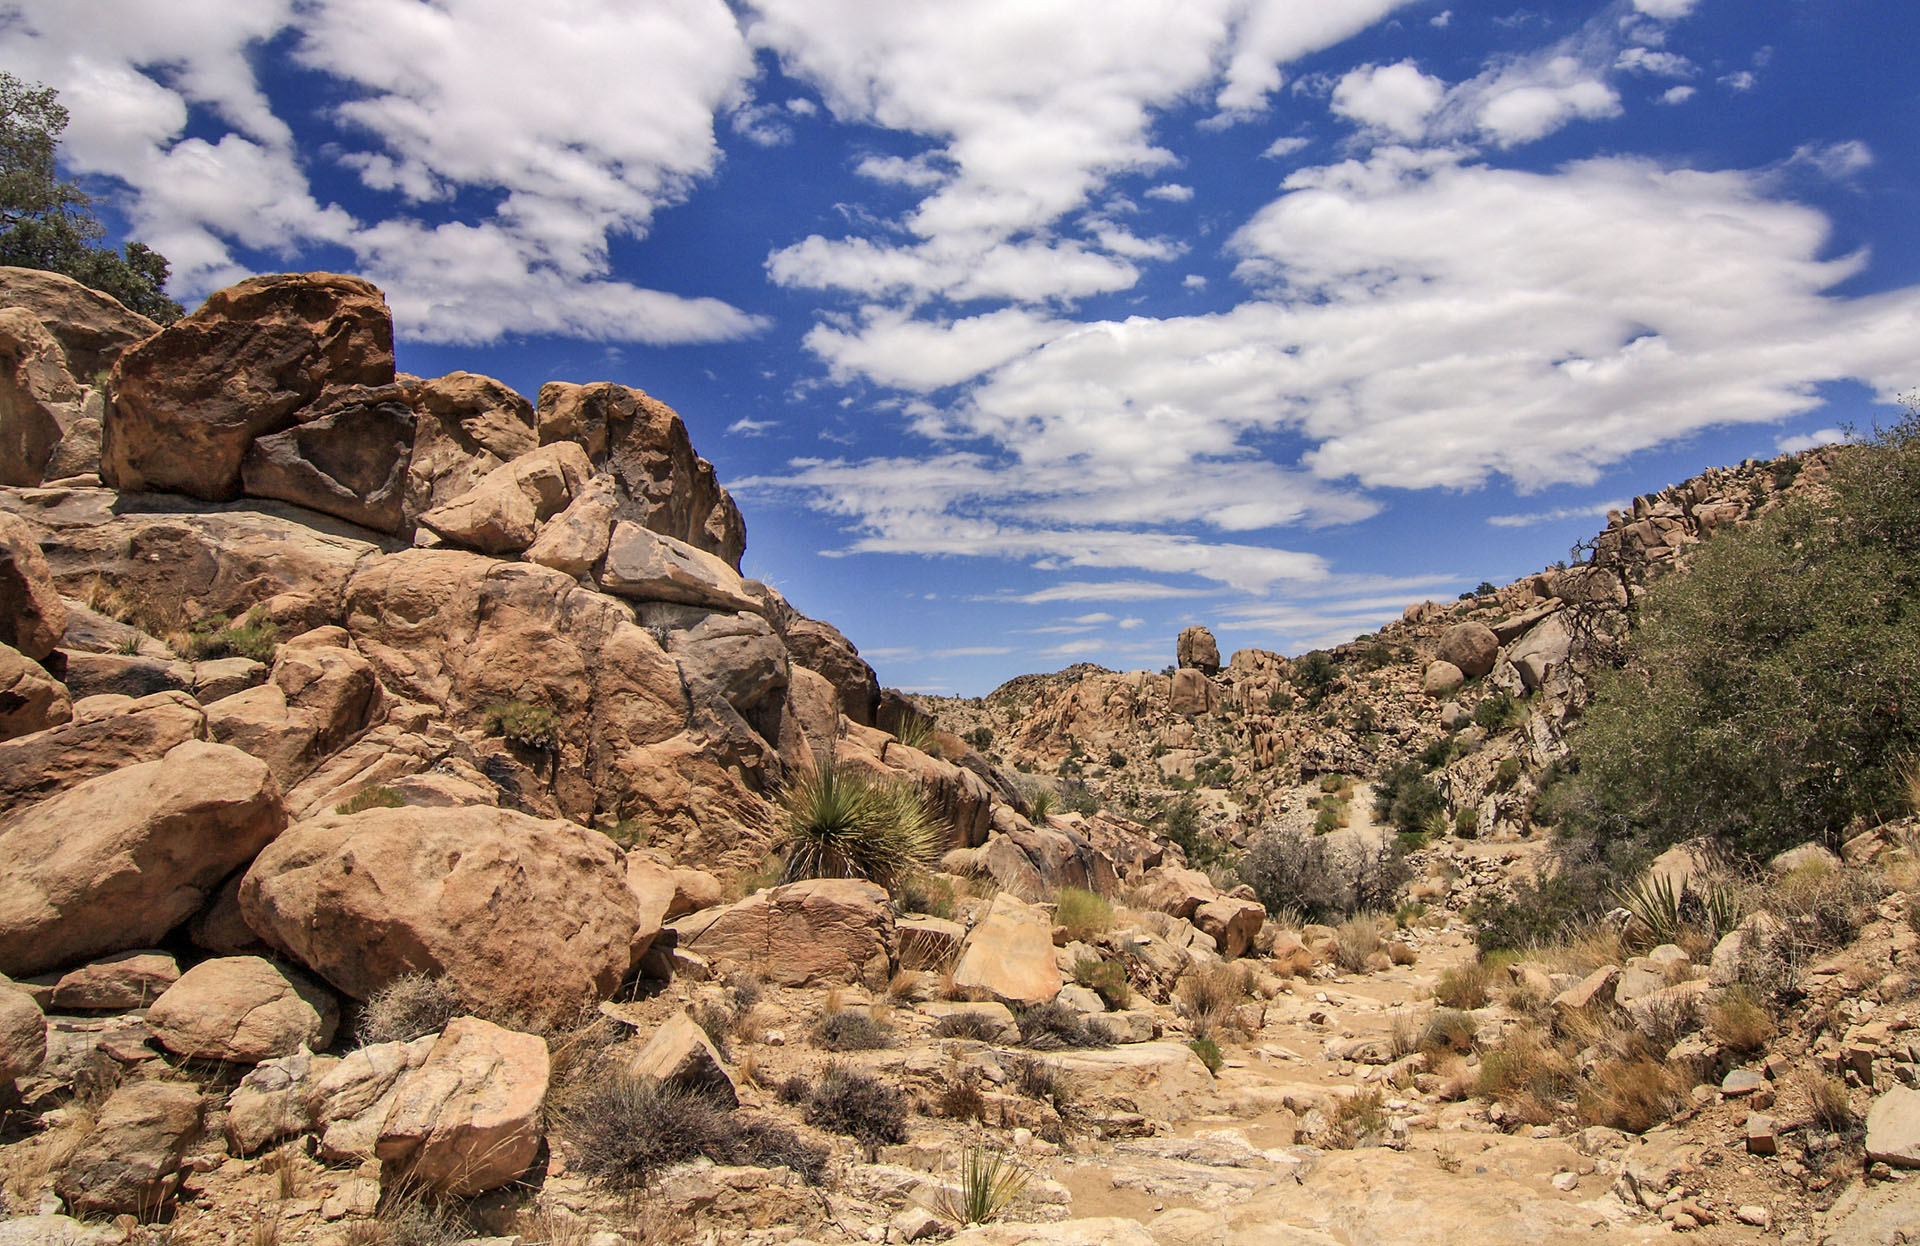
(1030,332)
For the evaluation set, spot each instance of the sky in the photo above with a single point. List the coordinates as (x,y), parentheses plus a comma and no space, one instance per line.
(1029,332)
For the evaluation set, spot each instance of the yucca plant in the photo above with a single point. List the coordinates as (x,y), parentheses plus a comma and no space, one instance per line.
(988,1184)
(842,823)
(1655,903)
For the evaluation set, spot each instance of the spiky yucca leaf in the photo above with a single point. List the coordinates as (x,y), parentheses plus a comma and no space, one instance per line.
(988,1183)
(842,823)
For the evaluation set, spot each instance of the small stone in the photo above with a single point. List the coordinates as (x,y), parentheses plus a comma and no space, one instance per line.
(1761,1137)
(1566,1181)
(1741,1082)
(1759,1217)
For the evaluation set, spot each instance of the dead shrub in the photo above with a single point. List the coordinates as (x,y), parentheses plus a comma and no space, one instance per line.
(1207,997)
(1053,1025)
(1739,1022)
(1447,1030)
(970,1025)
(859,1105)
(1466,988)
(1356,939)
(961,1100)
(1399,953)
(409,1006)
(851,1031)
(623,1130)
(1829,1103)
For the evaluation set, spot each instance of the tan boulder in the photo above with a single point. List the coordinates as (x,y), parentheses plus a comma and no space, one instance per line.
(259,722)
(1035,862)
(1596,989)
(32,616)
(1470,646)
(1545,646)
(124,674)
(929,942)
(349,1101)
(122,733)
(1893,1128)
(822,649)
(270,1102)
(327,685)
(524,914)
(819,930)
(1192,693)
(466,426)
(120,860)
(1009,955)
(23,1034)
(680,1053)
(693,890)
(116,983)
(130,1160)
(811,722)
(93,329)
(503,513)
(1197,649)
(242,1009)
(349,461)
(1095,1231)
(652,882)
(469,1118)
(574,541)
(1175,890)
(1231,922)
(191,399)
(30,699)
(663,485)
(1441,680)
(39,399)
(647,566)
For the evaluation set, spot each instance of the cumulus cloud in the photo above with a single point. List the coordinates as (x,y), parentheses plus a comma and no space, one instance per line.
(1677,95)
(577,130)
(1665,10)
(1395,98)
(1170,192)
(1813,440)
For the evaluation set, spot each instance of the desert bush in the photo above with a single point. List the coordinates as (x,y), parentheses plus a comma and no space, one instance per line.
(859,1105)
(848,1030)
(1696,910)
(1105,978)
(217,636)
(1289,870)
(1466,988)
(1040,806)
(918,891)
(989,1182)
(523,723)
(1357,1117)
(1824,907)
(623,1130)
(370,798)
(1355,940)
(1573,893)
(1042,1082)
(837,822)
(1053,1026)
(716,1021)
(407,1007)
(1447,1030)
(1403,796)
(1762,698)
(1829,1103)
(1739,1020)
(960,1100)
(1499,712)
(1082,913)
(1209,1053)
(971,1025)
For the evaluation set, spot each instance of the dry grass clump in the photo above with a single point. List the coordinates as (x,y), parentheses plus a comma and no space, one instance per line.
(623,1130)
(859,1105)
(1825,907)
(1399,952)
(850,1030)
(1293,962)
(1634,1094)
(1208,998)
(1448,1030)
(960,1100)
(1105,978)
(970,1025)
(1528,1074)
(988,1184)
(1739,1021)
(1829,1103)
(1082,913)
(1357,1118)
(409,1006)
(1355,940)
(1467,988)
(1053,1026)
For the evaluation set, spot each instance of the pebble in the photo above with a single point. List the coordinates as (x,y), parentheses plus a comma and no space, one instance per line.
(1565,1181)
(1759,1217)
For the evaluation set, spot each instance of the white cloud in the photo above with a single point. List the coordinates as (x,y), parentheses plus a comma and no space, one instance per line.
(1441,20)
(1170,192)
(1558,513)
(1659,64)
(920,355)
(1740,80)
(1516,112)
(1837,162)
(1395,98)
(1193,281)
(1677,95)
(1281,148)
(745,427)
(1665,10)
(1100,590)
(1809,441)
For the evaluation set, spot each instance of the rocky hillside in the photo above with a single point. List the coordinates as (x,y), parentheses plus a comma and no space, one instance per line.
(404,832)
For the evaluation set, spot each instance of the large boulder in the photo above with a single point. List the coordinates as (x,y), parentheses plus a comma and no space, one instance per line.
(647,566)
(1471,646)
(23,1034)
(1009,955)
(466,425)
(1192,693)
(93,329)
(120,860)
(348,1103)
(1893,1128)
(130,1160)
(242,1009)
(819,930)
(191,399)
(1231,922)
(1197,649)
(679,1053)
(349,461)
(34,767)
(30,699)
(525,915)
(822,649)
(39,399)
(32,616)
(663,485)
(468,1119)
(503,513)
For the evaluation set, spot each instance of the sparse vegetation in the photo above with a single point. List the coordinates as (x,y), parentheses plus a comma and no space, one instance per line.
(1105,978)
(218,636)
(859,1105)
(1403,797)
(989,1182)
(1209,1053)
(851,1030)
(1053,1026)
(1083,914)
(371,798)
(523,723)
(407,1007)
(1289,870)
(623,1130)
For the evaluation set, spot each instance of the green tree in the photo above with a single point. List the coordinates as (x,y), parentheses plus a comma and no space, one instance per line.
(1770,692)
(48,223)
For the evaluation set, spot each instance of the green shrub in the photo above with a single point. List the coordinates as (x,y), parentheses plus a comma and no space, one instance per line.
(920,892)
(1105,978)
(1466,823)
(370,798)
(523,723)
(1508,773)
(1040,808)
(981,738)
(1082,913)
(1179,819)
(1403,797)
(1209,1053)
(1767,691)
(1499,712)
(1288,870)
(988,1183)
(838,822)
(217,636)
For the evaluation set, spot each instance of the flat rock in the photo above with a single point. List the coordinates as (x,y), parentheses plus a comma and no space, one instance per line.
(117,983)
(680,1053)
(242,1009)
(469,1118)
(1893,1128)
(1104,1231)
(120,860)
(818,930)
(646,566)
